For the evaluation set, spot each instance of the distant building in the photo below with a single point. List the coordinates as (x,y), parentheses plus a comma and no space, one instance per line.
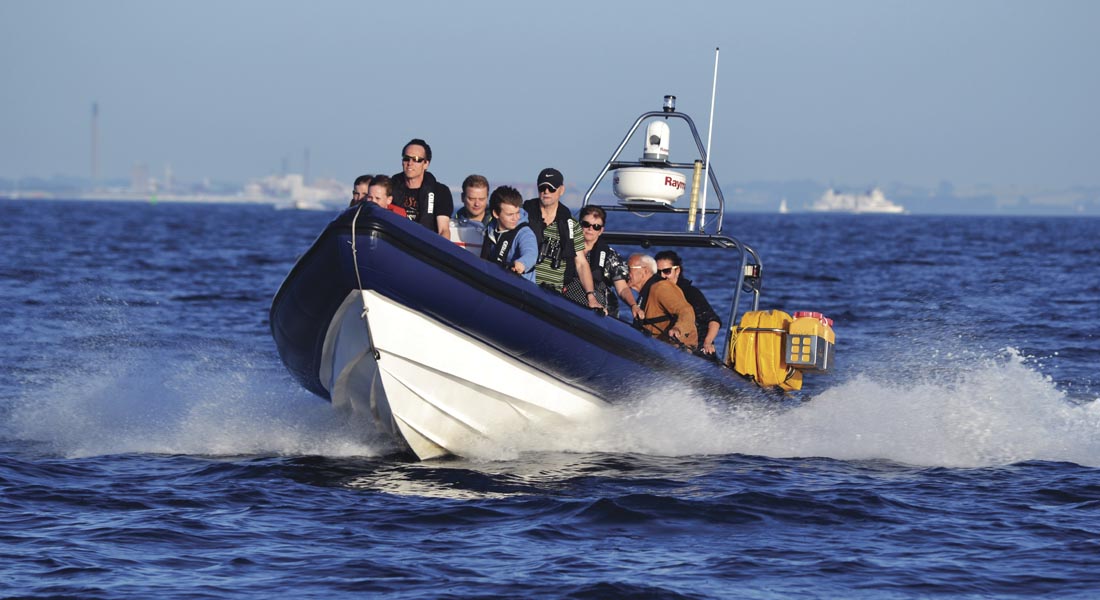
(291,191)
(139,179)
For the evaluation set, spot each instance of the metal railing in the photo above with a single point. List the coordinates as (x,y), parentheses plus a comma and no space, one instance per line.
(613,163)
(747,263)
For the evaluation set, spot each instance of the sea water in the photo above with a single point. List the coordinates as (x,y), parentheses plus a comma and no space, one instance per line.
(152,444)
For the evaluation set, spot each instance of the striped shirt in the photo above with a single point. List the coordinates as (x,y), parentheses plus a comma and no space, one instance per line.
(545,273)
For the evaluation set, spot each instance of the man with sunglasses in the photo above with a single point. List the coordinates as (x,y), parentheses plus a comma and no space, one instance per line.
(668,315)
(561,242)
(424,199)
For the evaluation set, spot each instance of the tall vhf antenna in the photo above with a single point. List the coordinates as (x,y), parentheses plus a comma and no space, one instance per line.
(95,143)
(710,130)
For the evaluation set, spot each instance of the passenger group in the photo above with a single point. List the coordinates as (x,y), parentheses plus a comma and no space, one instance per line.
(540,241)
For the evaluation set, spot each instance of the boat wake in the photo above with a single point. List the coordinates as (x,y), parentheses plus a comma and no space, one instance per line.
(996,411)
(999,410)
(197,405)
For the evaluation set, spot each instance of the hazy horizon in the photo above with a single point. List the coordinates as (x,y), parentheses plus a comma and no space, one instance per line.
(983,92)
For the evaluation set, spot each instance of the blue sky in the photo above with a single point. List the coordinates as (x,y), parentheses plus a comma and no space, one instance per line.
(1001,92)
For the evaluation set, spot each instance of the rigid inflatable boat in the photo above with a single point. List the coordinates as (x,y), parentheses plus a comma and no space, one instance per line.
(450,354)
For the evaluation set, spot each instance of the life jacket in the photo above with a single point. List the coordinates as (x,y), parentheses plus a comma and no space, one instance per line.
(496,248)
(597,260)
(428,204)
(464,215)
(553,254)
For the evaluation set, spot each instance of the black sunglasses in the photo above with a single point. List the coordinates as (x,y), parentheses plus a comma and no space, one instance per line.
(415,159)
(586,225)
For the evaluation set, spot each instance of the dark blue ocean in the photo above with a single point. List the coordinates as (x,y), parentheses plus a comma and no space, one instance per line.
(153,446)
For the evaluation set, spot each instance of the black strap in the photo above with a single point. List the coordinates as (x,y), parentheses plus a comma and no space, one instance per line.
(499,251)
(656,320)
(641,323)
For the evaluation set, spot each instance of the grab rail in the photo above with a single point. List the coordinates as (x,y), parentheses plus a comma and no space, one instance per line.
(613,163)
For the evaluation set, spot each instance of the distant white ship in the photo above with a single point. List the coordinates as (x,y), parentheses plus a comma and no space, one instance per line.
(872,202)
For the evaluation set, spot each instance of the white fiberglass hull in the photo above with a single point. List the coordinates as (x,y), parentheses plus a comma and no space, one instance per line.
(437,390)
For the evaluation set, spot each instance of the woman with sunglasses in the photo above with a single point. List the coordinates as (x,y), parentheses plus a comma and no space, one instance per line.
(608,268)
(671,267)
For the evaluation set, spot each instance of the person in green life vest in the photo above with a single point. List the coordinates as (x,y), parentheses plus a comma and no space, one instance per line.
(561,241)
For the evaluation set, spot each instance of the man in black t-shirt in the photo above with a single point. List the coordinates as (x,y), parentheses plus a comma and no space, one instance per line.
(424,199)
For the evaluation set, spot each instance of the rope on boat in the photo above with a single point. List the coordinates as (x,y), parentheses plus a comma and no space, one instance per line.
(355,263)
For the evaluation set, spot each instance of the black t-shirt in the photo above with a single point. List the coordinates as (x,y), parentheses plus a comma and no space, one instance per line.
(432,199)
(411,203)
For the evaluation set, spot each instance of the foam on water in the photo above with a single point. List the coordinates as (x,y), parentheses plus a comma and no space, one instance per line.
(993,411)
(996,411)
(202,405)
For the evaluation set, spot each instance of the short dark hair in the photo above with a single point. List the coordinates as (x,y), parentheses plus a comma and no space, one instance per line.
(421,143)
(592,209)
(477,181)
(505,194)
(384,181)
(362,179)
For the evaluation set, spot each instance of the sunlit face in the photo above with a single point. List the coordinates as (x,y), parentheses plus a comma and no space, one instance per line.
(377,194)
(507,216)
(668,270)
(359,194)
(409,157)
(589,224)
(548,197)
(639,274)
(475,199)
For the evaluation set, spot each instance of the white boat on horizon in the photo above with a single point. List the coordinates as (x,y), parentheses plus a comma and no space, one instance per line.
(872,202)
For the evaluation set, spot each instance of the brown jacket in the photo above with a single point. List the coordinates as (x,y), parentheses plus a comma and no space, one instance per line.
(664,299)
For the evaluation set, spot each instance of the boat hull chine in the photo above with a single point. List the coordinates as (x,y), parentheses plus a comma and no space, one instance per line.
(439,391)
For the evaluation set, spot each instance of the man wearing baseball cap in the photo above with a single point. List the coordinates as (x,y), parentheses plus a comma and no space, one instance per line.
(561,241)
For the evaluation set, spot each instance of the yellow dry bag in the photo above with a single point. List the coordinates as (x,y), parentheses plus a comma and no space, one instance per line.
(757,350)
